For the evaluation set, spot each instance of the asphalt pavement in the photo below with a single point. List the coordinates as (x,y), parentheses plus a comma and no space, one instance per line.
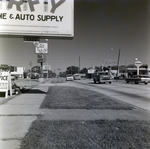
(18,112)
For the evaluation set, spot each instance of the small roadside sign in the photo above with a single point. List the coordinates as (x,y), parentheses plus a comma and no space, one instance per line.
(5,81)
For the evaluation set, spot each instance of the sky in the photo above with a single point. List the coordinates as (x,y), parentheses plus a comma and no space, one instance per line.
(101,28)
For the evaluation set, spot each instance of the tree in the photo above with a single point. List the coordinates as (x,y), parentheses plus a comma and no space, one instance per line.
(84,71)
(144,66)
(131,66)
(72,70)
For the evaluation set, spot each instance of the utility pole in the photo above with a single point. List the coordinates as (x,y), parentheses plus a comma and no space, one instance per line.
(79,64)
(118,64)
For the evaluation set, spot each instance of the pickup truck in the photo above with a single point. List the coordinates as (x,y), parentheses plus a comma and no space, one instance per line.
(102,77)
(139,79)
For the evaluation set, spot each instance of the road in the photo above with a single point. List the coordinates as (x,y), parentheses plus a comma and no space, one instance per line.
(135,94)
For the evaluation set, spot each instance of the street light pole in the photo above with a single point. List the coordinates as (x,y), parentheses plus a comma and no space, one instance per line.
(79,64)
(118,64)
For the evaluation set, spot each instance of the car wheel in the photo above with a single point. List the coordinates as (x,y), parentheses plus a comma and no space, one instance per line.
(109,82)
(17,91)
(145,83)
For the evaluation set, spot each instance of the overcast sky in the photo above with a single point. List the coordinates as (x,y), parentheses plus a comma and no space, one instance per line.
(99,27)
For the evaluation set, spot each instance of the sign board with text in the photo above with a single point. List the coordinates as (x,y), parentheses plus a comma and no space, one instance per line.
(109,62)
(37,18)
(5,81)
(41,48)
(40,58)
(46,67)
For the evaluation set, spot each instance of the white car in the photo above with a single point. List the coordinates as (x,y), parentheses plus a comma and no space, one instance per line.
(77,76)
(69,77)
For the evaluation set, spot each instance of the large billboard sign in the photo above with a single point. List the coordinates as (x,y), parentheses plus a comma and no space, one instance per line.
(37,17)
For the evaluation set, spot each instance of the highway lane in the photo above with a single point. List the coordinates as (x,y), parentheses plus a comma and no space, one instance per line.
(135,94)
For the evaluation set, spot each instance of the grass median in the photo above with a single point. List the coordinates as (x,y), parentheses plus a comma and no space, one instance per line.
(61,97)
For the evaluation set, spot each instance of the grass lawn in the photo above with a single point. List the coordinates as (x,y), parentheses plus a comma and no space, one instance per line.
(61,97)
(98,134)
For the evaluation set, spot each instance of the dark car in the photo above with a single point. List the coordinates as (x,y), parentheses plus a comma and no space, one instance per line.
(102,77)
(33,75)
(139,79)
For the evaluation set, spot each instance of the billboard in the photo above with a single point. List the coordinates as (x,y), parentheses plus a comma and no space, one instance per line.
(37,17)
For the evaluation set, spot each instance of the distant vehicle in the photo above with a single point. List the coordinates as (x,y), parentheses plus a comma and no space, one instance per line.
(15,88)
(102,77)
(14,77)
(77,77)
(34,75)
(69,77)
(139,79)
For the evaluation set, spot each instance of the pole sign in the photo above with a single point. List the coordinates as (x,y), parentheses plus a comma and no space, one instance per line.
(41,48)
(46,67)
(138,63)
(37,17)
(40,58)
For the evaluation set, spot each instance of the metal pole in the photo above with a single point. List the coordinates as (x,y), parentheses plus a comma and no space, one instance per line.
(118,64)
(41,69)
(79,64)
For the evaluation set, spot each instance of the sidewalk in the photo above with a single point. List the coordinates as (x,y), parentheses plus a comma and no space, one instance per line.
(17,115)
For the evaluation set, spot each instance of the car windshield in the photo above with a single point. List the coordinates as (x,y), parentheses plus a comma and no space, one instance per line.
(69,75)
(103,73)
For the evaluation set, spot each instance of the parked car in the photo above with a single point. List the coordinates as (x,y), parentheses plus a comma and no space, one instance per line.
(69,77)
(15,88)
(77,77)
(14,77)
